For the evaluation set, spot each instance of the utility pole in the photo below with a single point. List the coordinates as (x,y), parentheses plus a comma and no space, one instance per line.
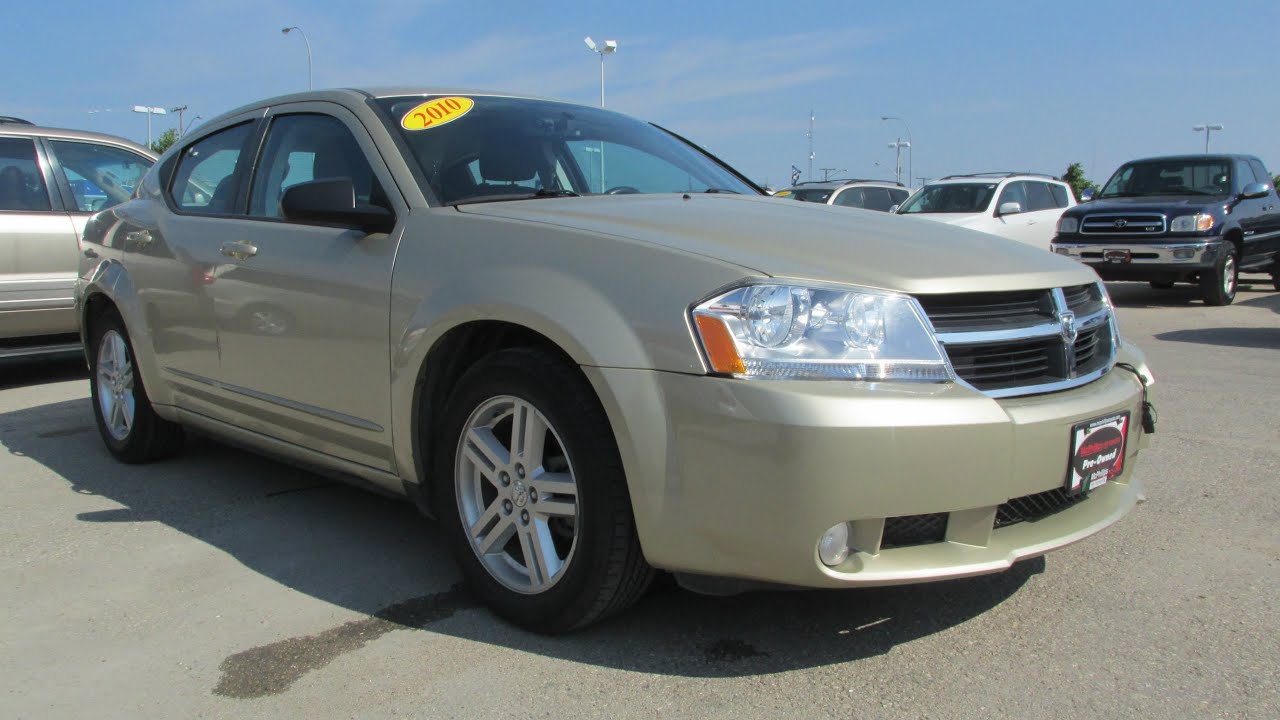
(826,173)
(180,110)
(810,134)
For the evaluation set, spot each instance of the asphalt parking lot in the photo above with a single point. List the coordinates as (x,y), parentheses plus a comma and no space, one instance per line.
(221,584)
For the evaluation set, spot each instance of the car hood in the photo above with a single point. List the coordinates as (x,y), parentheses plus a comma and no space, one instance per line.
(807,241)
(1150,203)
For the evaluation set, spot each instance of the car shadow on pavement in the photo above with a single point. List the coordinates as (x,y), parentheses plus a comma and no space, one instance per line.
(23,372)
(1247,337)
(1142,295)
(376,556)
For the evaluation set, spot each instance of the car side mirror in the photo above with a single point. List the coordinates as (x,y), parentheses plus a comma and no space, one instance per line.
(1009,208)
(1086,195)
(1255,190)
(333,200)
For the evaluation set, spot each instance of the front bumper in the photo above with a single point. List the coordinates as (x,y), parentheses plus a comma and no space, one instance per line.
(740,479)
(1124,259)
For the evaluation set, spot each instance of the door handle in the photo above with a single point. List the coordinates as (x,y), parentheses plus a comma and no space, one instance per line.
(239,250)
(90,253)
(138,237)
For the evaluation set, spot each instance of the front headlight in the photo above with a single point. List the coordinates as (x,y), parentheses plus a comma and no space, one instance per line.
(779,331)
(1067,225)
(1192,223)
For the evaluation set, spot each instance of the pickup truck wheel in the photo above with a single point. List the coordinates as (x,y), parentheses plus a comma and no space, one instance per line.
(533,495)
(1275,274)
(129,426)
(1218,286)
(1161,284)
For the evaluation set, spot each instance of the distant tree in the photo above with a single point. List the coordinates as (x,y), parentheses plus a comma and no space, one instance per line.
(166,139)
(1074,176)
(1275,181)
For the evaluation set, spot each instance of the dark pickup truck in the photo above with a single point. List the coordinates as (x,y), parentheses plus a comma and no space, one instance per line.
(1187,218)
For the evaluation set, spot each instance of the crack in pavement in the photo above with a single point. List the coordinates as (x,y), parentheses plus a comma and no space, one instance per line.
(272,669)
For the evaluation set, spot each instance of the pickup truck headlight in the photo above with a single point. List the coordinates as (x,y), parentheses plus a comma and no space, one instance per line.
(1067,225)
(783,332)
(1192,223)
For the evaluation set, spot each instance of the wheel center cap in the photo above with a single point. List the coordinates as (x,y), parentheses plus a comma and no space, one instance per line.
(519,493)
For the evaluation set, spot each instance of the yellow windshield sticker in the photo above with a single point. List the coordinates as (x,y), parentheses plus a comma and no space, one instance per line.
(782,193)
(437,112)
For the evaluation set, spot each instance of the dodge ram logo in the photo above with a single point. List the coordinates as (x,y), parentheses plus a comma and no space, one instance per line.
(1069,331)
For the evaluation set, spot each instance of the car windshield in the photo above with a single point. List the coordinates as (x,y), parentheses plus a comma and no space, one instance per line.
(818,195)
(950,198)
(1191,176)
(485,149)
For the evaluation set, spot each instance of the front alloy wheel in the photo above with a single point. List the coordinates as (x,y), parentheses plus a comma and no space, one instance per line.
(1218,286)
(530,488)
(517,494)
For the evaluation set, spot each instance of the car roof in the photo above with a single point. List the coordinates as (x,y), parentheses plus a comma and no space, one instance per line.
(360,94)
(13,129)
(994,177)
(1195,156)
(836,184)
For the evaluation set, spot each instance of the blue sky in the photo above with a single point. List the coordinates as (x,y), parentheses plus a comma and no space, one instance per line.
(984,85)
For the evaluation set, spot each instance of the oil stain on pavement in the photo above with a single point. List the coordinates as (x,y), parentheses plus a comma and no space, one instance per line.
(272,669)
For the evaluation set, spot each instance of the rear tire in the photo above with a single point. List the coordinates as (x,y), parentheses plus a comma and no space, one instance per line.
(531,491)
(1218,286)
(129,426)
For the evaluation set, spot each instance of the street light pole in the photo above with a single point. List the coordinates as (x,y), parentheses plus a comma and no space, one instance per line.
(285,31)
(897,146)
(1206,129)
(149,112)
(911,154)
(608,48)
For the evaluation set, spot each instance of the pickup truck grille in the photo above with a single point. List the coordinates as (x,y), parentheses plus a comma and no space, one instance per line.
(1019,343)
(1119,224)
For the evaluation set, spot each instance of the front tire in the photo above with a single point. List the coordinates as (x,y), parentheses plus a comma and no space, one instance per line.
(532,494)
(129,426)
(1218,286)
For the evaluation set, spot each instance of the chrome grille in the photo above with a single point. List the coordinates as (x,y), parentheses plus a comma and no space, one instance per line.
(1123,224)
(1021,343)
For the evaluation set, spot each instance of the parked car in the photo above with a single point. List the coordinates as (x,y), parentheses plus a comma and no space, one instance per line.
(51,181)
(1019,206)
(592,350)
(866,194)
(1186,218)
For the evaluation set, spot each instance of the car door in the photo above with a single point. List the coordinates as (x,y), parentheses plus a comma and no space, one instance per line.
(38,250)
(1251,214)
(1043,211)
(171,247)
(1020,226)
(1269,224)
(302,309)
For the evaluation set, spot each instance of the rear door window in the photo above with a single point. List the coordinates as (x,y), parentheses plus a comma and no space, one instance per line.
(99,175)
(1039,197)
(204,182)
(21,182)
(1059,195)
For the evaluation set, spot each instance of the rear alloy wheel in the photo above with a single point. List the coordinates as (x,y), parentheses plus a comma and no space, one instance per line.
(129,426)
(534,497)
(1218,285)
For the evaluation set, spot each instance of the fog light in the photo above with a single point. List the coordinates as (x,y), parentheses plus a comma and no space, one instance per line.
(833,548)
(1062,251)
(1184,253)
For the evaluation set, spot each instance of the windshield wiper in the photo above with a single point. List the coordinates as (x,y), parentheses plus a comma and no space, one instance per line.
(508,197)
(545,193)
(1120,194)
(721,190)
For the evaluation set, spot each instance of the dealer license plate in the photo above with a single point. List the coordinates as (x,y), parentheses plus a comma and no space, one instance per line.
(1097,452)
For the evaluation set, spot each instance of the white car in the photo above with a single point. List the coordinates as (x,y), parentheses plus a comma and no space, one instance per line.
(1019,206)
(865,194)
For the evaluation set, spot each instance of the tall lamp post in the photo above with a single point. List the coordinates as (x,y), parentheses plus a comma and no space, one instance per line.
(285,31)
(911,154)
(897,146)
(149,112)
(608,48)
(1206,129)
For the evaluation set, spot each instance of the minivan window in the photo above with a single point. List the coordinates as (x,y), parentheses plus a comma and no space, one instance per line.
(21,183)
(204,181)
(99,175)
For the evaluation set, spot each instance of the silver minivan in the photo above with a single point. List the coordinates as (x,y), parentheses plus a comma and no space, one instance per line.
(51,182)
